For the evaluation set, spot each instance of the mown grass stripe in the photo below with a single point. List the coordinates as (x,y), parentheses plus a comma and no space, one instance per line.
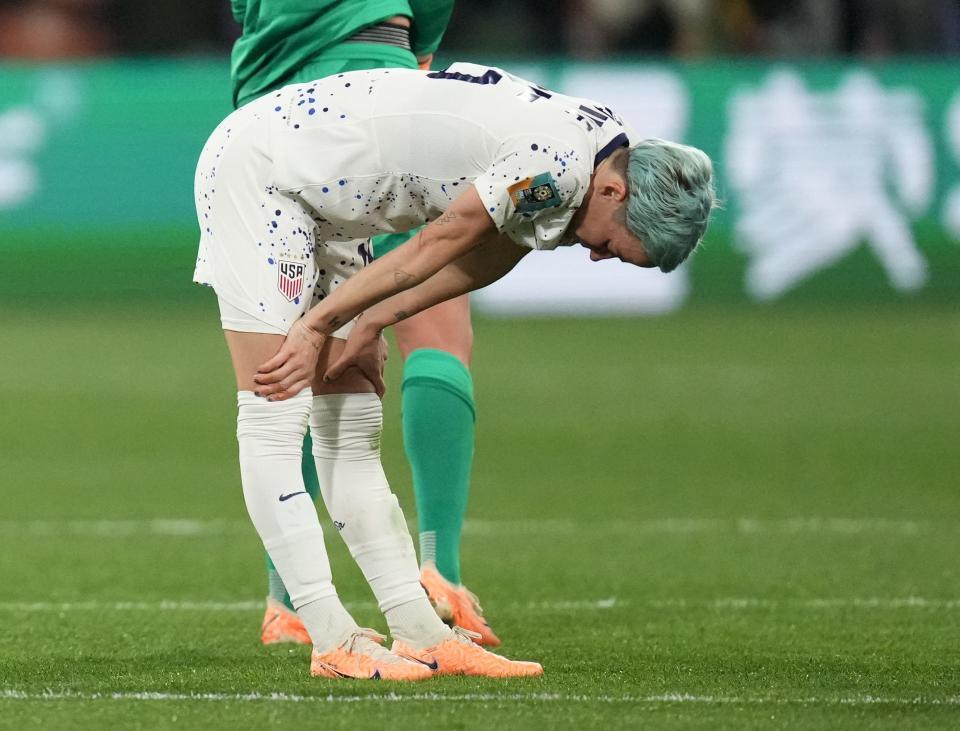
(559,605)
(187,527)
(665,698)
(257,605)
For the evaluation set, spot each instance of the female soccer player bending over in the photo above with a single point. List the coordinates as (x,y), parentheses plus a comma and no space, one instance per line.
(286,185)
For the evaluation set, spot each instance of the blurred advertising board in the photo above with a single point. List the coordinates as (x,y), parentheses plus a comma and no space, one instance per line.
(838,181)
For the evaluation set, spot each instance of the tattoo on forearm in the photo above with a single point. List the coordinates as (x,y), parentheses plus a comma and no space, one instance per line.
(401,315)
(447,217)
(304,334)
(401,277)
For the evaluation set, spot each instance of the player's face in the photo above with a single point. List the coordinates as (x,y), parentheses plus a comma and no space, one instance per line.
(597,225)
(615,242)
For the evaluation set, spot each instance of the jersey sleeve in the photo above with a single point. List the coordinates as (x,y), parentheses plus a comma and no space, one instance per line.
(533,188)
(430,19)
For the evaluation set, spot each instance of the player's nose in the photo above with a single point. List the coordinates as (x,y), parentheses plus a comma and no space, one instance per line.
(600,255)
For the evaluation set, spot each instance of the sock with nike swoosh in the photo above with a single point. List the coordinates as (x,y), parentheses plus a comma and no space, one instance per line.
(346,445)
(270,437)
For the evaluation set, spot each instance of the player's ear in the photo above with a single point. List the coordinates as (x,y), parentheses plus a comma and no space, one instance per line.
(614,188)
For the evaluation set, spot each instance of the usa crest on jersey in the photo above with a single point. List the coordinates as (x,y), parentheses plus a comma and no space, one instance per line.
(290,278)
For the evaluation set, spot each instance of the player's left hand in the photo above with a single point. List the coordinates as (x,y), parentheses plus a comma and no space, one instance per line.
(293,367)
(365,349)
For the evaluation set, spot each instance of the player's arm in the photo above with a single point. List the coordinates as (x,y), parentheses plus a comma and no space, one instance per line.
(482,265)
(461,228)
(485,264)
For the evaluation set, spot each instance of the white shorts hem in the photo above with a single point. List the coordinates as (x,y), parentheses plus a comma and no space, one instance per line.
(238,320)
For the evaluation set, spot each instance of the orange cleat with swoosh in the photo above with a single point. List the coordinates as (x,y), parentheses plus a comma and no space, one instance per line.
(460,655)
(456,605)
(361,657)
(281,625)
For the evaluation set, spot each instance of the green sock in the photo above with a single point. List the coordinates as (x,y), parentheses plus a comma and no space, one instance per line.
(275,587)
(438,430)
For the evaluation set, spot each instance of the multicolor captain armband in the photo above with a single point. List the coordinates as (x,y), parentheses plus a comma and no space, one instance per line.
(534,194)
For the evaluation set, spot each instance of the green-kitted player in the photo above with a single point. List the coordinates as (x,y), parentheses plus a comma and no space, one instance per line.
(287,41)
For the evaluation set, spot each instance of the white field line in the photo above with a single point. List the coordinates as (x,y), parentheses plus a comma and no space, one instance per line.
(257,605)
(662,699)
(747,603)
(191,527)
(185,527)
(731,604)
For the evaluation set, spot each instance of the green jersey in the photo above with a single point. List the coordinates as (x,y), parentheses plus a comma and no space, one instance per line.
(281,37)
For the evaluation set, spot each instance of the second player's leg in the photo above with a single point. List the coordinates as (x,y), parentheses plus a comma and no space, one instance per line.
(438,425)
(445,327)
(438,434)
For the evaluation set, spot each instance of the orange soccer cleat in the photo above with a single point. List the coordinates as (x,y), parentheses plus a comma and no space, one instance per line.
(360,656)
(282,625)
(456,605)
(460,655)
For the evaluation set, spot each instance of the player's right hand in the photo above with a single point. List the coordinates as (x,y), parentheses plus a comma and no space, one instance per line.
(293,367)
(365,349)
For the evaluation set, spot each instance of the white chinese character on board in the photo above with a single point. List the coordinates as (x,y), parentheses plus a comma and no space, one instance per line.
(951,207)
(24,131)
(818,173)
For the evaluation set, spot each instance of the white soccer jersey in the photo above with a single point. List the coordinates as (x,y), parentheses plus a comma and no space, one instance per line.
(289,187)
(389,149)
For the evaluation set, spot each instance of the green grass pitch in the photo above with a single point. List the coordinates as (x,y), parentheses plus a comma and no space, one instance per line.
(727,518)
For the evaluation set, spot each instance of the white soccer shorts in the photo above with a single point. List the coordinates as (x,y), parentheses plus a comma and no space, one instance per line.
(258,247)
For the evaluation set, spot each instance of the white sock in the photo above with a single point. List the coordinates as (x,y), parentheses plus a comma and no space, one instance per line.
(270,436)
(346,431)
(327,621)
(416,623)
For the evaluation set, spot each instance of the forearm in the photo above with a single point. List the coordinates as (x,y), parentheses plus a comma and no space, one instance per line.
(393,273)
(461,227)
(439,288)
(482,266)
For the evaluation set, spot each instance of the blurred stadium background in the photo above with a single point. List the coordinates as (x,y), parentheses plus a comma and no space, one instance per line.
(723,497)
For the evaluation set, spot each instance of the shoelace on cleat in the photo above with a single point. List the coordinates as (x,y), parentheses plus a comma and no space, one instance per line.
(362,633)
(465,636)
(368,642)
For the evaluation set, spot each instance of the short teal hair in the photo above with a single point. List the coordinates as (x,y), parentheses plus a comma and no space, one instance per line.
(671,195)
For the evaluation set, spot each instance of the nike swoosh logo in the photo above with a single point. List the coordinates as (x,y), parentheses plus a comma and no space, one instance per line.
(434,665)
(292,494)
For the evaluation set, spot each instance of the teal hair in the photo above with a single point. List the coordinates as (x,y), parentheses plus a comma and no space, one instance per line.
(671,196)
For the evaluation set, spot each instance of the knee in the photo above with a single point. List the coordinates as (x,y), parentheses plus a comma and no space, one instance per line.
(431,367)
(346,426)
(272,427)
(452,334)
